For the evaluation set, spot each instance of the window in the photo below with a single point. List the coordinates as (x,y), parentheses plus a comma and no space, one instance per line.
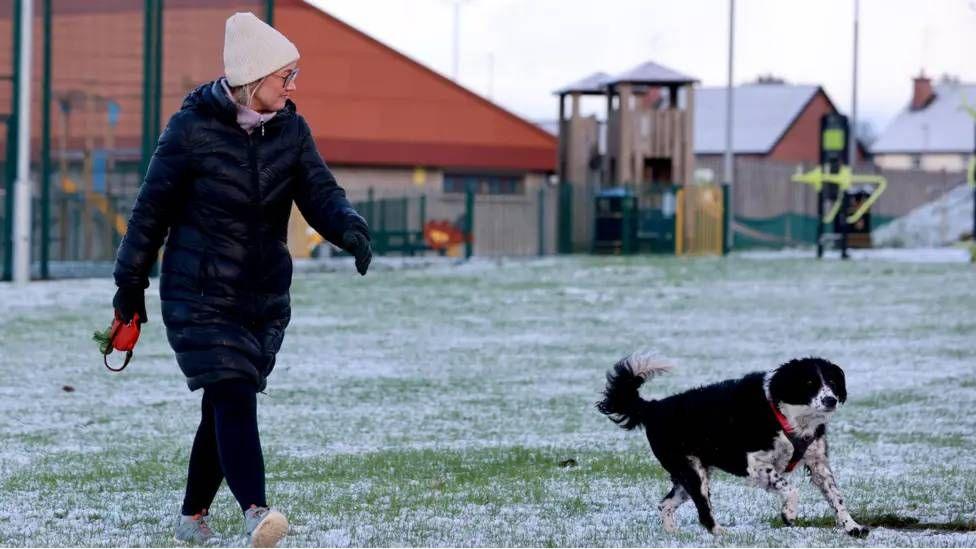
(484,184)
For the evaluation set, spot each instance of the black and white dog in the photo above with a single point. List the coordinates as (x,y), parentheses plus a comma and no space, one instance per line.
(760,426)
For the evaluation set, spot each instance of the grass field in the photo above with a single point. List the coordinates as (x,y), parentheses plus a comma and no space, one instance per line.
(453,405)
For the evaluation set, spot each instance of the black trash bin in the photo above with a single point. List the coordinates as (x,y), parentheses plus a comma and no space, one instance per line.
(615,222)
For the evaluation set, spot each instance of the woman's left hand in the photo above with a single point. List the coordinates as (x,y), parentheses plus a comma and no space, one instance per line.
(357,243)
(130,302)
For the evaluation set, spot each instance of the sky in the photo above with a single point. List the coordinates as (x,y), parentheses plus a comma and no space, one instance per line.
(517,52)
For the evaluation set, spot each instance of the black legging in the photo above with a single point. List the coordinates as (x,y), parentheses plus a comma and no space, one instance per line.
(226,446)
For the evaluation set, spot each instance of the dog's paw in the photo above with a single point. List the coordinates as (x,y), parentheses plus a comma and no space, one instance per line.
(718,530)
(786,520)
(858,531)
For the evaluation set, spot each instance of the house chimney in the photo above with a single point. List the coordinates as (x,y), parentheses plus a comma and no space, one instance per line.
(922,94)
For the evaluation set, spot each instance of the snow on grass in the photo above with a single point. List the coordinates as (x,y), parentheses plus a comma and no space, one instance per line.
(942,221)
(898,255)
(433,404)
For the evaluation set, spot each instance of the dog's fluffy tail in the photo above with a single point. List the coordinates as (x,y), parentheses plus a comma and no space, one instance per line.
(621,401)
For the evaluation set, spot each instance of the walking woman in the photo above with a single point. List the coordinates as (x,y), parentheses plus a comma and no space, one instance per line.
(219,189)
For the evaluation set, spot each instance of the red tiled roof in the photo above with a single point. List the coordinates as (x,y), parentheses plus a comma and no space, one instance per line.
(367,104)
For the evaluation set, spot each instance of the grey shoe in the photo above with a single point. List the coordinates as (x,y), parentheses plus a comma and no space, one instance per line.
(194,529)
(264,527)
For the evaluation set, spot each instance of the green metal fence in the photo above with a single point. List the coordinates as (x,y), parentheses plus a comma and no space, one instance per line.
(619,218)
(107,83)
(396,224)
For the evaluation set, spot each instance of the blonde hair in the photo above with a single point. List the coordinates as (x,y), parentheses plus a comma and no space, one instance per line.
(243,95)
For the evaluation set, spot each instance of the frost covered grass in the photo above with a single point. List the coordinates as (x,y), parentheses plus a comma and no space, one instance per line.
(453,405)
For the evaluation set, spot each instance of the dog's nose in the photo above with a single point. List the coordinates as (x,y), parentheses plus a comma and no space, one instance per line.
(830,402)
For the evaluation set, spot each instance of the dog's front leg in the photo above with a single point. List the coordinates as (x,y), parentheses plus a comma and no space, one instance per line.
(776,482)
(821,475)
(762,473)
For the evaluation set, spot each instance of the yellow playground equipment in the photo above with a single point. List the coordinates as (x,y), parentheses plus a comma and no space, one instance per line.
(844,179)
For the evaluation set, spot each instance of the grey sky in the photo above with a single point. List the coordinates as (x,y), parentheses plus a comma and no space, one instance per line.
(539,45)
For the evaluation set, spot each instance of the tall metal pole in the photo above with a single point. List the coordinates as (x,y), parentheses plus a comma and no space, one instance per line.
(152,78)
(469,220)
(457,38)
(491,76)
(727,171)
(10,168)
(852,150)
(158,68)
(147,73)
(22,208)
(606,180)
(46,146)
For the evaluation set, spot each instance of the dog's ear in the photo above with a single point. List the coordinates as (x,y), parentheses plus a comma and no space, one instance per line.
(834,376)
(792,383)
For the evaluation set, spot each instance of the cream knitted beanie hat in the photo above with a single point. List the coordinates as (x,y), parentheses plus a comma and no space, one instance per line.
(253,49)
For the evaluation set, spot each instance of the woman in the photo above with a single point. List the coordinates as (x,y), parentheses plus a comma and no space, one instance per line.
(221,183)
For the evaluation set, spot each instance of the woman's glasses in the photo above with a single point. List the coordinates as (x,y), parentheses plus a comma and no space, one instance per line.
(289,78)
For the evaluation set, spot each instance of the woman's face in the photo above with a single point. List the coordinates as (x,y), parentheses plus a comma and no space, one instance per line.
(275,90)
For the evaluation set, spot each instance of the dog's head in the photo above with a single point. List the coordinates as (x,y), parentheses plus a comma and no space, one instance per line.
(811,386)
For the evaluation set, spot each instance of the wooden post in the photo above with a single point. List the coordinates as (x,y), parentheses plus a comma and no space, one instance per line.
(679,222)
(687,143)
(625,141)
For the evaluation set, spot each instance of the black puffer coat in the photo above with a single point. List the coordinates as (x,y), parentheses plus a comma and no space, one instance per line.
(224,197)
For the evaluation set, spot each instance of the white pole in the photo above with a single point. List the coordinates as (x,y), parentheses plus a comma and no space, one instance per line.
(852,150)
(727,174)
(22,186)
(491,76)
(457,37)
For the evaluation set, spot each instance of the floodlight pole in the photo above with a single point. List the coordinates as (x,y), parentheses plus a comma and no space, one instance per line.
(728,168)
(22,190)
(852,150)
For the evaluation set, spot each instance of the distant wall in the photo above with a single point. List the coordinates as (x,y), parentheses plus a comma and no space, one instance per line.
(764,198)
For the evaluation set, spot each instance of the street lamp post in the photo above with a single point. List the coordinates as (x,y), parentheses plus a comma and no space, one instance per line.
(852,150)
(728,166)
(22,192)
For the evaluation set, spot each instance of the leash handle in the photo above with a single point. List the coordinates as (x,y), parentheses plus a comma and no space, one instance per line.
(122,337)
(128,357)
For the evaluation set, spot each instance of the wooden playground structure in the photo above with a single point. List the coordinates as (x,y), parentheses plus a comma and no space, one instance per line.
(643,147)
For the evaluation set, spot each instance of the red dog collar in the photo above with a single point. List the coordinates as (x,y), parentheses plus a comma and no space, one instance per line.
(781,418)
(800,445)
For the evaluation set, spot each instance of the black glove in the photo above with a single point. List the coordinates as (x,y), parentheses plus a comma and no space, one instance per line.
(129,301)
(356,242)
